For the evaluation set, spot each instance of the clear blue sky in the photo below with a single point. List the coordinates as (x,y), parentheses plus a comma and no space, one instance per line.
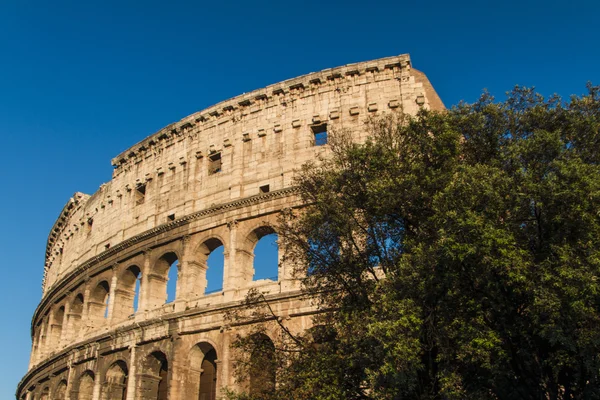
(80,81)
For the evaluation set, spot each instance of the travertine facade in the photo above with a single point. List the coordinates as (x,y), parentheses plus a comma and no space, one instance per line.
(218,177)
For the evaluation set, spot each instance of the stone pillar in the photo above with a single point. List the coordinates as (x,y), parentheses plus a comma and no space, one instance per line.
(75,319)
(177,370)
(220,376)
(195,280)
(112,294)
(123,304)
(155,290)
(180,292)
(43,347)
(84,313)
(69,382)
(230,276)
(97,387)
(146,268)
(35,343)
(131,377)
(65,325)
(223,365)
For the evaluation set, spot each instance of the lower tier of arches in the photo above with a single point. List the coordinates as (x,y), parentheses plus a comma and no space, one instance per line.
(185,357)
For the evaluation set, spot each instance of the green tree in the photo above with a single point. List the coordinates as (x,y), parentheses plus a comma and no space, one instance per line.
(453,255)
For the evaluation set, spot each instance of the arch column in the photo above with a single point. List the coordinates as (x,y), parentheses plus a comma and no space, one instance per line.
(97,387)
(189,273)
(143,299)
(65,325)
(43,348)
(35,347)
(69,383)
(177,368)
(234,277)
(112,293)
(132,375)
(84,323)
(193,280)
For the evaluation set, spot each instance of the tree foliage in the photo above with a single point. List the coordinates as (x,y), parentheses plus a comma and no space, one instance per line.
(452,255)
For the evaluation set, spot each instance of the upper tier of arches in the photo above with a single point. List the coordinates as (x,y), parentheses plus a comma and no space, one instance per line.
(243,148)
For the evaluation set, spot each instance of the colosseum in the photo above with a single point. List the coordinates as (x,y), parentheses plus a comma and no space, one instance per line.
(105,327)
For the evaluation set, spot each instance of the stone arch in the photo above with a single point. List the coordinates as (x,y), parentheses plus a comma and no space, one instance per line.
(262,232)
(153,383)
(60,391)
(199,268)
(98,304)
(158,278)
(202,377)
(264,266)
(74,316)
(45,393)
(85,386)
(127,293)
(114,386)
(262,365)
(56,327)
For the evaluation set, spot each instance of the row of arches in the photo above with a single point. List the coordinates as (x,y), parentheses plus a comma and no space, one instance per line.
(155,379)
(151,280)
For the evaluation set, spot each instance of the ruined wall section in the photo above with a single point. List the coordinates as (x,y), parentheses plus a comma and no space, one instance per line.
(261,137)
(218,177)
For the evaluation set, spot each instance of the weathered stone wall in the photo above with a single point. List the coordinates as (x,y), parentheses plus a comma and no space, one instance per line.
(218,177)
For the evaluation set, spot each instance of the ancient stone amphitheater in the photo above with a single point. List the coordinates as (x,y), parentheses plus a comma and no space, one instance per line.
(104,328)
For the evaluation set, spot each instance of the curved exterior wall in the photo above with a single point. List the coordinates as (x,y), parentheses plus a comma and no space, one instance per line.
(171,198)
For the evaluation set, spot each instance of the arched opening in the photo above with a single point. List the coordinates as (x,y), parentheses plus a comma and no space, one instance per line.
(172,282)
(115,382)
(45,395)
(57,327)
(262,365)
(127,293)
(61,391)
(266,254)
(98,304)
(86,386)
(209,267)
(74,317)
(137,290)
(203,372)
(215,263)
(162,281)
(154,383)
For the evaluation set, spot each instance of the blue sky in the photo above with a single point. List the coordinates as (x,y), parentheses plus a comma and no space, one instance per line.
(80,81)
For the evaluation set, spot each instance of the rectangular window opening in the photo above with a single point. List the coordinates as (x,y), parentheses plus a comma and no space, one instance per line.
(320,134)
(214,165)
(264,189)
(140,194)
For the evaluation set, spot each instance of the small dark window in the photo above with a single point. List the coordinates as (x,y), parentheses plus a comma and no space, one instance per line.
(140,194)
(264,189)
(107,246)
(214,165)
(171,217)
(320,134)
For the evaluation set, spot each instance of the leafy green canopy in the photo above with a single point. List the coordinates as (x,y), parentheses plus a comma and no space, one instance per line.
(453,255)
